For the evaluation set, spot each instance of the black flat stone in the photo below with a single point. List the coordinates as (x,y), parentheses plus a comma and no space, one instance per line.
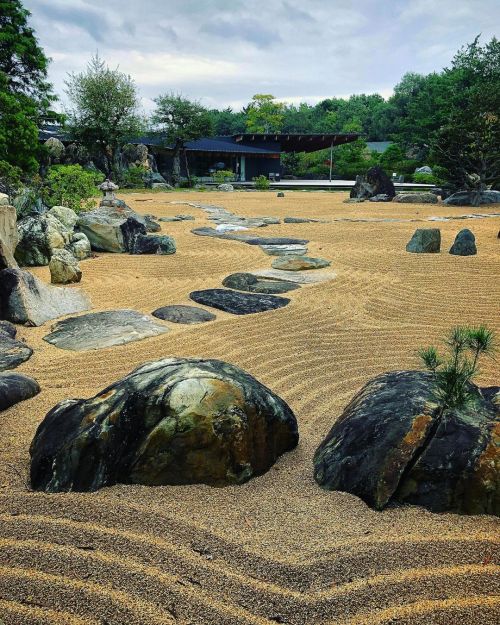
(15,387)
(238,303)
(183,314)
(12,351)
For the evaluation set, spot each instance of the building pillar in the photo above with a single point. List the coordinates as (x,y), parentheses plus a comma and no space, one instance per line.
(242,168)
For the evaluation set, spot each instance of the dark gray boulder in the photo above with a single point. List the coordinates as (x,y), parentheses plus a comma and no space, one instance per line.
(151,223)
(183,314)
(380,182)
(174,421)
(425,241)
(252,284)
(280,194)
(103,329)
(12,351)
(391,445)
(238,303)
(361,190)
(466,198)
(464,244)
(153,244)
(15,387)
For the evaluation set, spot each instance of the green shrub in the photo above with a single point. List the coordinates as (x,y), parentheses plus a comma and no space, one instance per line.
(10,178)
(223,175)
(71,186)
(423,178)
(261,182)
(134,177)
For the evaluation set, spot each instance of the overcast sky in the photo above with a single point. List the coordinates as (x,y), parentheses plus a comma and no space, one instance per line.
(222,52)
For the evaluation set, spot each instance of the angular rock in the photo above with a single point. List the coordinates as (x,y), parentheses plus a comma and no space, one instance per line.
(183,314)
(252,284)
(39,236)
(111,228)
(174,421)
(79,247)
(12,352)
(238,303)
(299,263)
(64,268)
(153,244)
(425,241)
(65,215)
(103,329)
(26,299)
(464,198)
(299,220)
(390,444)
(464,244)
(298,277)
(416,198)
(15,387)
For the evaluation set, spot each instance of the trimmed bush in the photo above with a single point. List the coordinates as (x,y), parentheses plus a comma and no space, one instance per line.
(71,186)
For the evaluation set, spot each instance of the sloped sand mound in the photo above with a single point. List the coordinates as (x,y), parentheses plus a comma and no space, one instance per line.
(277,549)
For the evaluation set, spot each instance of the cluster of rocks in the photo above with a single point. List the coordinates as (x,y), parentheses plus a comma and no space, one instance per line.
(376,186)
(428,241)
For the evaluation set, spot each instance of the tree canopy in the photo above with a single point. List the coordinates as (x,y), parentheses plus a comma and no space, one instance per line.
(264,114)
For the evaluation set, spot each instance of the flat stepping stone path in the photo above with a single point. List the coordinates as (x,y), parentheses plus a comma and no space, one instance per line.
(250,283)
(103,329)
(183,314)
(300,263)
(298,277)
(238,303)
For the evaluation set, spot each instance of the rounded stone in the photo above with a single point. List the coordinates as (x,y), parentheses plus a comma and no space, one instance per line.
(183,314)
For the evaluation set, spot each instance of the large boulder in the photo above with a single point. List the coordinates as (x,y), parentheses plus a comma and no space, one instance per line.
(8,236)
(26,299)
(380,181)
(464,244)
(65,215)
(174,421)
(111,228)
(392,445)
(465,198)
(153,244)
(425,241)
(64,268)
(15,387)
(362,190)
(416,198)
(12,351)
(39,237)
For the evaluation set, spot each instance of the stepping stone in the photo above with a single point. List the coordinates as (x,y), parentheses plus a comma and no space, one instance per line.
(15,387)
(300,263)
(183,314)
(298,277)
(248,238)
(284,250)
(250,283)
(238,303)
(103,329)
(299,220)
(12,352)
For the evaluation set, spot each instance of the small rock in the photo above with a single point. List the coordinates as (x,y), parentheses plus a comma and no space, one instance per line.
(416,198)
(153,244)
(79,247)
(183,314)
(299,263)
(250,283)
(225,187)
(15,387)
(280,194)
(299,220)
(12,352)
(464,244)
(151,224)
(64,268)
(425,241)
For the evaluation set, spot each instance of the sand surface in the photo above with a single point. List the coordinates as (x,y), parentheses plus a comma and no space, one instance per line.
(277,549)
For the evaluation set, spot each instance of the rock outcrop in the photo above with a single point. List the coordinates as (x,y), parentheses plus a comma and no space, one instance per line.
(26,299)
(174,421)
(391,445)
(425,241)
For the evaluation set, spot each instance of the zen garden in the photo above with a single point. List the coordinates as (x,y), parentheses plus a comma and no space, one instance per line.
(249,362)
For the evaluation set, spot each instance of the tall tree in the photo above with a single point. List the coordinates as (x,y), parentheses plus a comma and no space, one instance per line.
(264,114)
(467,145)
(104,111)
(25,93)
(180,120)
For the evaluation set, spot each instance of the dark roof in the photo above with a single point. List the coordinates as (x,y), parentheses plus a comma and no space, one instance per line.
(212,144)
(295,142)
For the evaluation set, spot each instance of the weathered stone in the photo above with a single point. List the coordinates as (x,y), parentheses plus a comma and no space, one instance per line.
(465,198)
(111,228)
(12,351)
(174,421)
(299,220)
(151,224)
(280,194)
(416,198)
(103,329)
(153,244)
(64,268)
(65,215)
(284,250)
(425,241)
(185,217)
(183,314)
(380,182)
(250,283)
(299,263)
(249,239)
(381,197)
(464,244)
(8,233)
(391,444)
(4,199)
(15,387)
(161,186)
(225,187)
(298,277)
(26,299)
(361,190)
(79,246)
(354,200)
(238,303)
(39,236)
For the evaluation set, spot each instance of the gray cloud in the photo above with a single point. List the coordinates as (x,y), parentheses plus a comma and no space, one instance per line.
(224,51)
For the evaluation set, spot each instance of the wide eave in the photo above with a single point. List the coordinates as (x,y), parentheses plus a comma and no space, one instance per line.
(298,142)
